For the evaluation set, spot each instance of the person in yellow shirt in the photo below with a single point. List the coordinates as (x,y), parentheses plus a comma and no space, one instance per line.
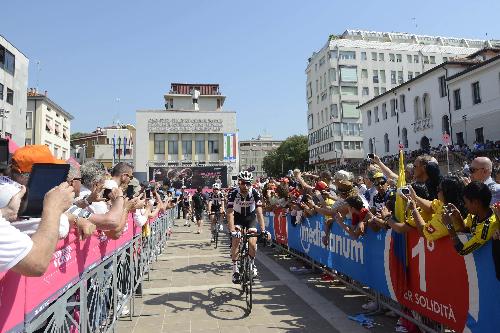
(427,219)
(481,222)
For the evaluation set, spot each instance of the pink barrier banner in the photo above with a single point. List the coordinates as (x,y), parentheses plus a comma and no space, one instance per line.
(71,258)
(12,295)
(128,232)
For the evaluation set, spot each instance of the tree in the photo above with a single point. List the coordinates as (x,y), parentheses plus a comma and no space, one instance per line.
(291,154)
(77,135)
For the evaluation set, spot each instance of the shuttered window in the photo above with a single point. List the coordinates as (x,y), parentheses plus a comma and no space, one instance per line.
(349,110)
(348,74)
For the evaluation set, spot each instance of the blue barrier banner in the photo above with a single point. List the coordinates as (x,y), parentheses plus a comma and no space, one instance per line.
(460,292)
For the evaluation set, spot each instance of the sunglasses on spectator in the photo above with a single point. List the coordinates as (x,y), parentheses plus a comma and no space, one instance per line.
(472,169)
(379,183)
(128,175)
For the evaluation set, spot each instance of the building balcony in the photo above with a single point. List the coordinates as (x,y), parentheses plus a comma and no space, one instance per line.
(422,124)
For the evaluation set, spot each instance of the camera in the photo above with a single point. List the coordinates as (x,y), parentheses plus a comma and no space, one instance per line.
(404,190)
(371,156)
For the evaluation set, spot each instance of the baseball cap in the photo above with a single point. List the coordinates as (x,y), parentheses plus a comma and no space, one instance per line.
(24,158)
(379,175)
(321,186)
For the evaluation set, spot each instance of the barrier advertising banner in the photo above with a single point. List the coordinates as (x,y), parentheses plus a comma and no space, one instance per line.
(460,292)
(12,295)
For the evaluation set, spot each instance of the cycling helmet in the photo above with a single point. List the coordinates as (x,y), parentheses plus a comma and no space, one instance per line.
(245,176)
(216,186)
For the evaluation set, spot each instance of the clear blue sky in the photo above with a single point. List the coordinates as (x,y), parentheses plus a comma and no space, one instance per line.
(92,52)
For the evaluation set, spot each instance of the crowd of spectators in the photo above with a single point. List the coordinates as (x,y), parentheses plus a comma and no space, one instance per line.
(93,201)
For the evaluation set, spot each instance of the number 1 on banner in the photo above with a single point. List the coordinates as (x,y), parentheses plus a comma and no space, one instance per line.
(419,250)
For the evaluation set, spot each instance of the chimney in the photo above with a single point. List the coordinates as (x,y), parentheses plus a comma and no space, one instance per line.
(45,93)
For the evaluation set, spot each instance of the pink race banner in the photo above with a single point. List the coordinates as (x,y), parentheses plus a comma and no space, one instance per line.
(71,258)
(128,232)
(12,295)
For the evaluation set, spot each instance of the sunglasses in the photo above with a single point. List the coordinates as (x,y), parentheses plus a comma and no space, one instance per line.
(380,183)
(472,169)
(129,176)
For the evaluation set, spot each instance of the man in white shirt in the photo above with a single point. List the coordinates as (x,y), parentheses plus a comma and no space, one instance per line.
(31,256)
(480,170)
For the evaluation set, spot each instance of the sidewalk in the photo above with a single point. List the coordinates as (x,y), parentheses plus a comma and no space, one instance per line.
(190,290)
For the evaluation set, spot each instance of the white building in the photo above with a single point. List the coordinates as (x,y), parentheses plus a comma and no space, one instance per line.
(192,142)
(13,87)
(107,145)
(252,153)
(417,113)
(48,124)
(355,67)
(475,101)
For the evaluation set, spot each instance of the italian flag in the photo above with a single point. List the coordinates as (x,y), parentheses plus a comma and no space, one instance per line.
(230,146)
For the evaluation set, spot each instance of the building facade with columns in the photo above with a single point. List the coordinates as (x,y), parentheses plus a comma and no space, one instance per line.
(192,142)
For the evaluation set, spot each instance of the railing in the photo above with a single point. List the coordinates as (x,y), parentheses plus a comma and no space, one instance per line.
(88,283)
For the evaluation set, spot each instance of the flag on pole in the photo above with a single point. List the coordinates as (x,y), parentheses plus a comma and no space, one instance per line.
(124,146)
(230,146)
(114,148)
(119,147)
(399,239)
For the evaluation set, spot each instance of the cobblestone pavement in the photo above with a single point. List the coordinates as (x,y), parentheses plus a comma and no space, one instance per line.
(190,290)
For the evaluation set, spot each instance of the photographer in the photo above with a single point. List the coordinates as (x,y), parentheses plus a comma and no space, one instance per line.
(481,222)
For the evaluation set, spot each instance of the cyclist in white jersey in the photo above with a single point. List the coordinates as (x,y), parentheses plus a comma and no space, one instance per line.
(244,209)
(215,204)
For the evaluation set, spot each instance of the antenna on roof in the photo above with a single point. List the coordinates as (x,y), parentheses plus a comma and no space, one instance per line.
(116,118)
(38,70)
(414,20)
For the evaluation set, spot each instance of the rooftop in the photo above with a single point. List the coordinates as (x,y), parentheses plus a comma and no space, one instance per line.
(206,89)
(33,94)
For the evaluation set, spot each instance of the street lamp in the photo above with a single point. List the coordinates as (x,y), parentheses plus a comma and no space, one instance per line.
(3,115)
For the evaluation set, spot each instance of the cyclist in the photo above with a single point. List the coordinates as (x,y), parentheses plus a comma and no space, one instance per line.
(215,205)
(244,208)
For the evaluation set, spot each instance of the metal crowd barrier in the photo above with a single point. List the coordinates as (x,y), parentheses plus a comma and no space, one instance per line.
(425,324)
(104,290)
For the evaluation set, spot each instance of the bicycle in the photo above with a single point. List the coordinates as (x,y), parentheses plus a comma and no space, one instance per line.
(245,268)
(215,231)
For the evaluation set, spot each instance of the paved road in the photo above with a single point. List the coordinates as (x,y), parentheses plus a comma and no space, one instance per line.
(190,290)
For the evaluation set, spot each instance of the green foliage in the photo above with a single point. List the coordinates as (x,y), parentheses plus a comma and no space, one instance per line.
(291,154)
(77,135)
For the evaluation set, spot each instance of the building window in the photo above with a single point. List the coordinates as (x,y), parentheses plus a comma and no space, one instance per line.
(200,146)
(364,74)
(332,73)
(10,96)
(384,111)
(48,125)
(460,138)
(27,142)
(399,58)
(1,92)
(415,59)
(213,147)
(393,107)
(374,56)
(348,74)
(426,59)
(409,58)
(400,77)
(376,114)
(427,105)
(402,103)
(393,77)
(405,137)
(410,76)
(310,122)
(349,91)
(445,124)
(159,143)
(334,111)
(347,55)
(442,86)
(383,90)
(392,58)
(380,57)
(386,142)
(29,120)
(416,108)
(476,94)
(382,76)
(457,102)
(375,76)
(363,55)
(173,147)
(7,60)
(187,147)
(376,91)
(369,115)
(479,135)
(365,91)
(433,59)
